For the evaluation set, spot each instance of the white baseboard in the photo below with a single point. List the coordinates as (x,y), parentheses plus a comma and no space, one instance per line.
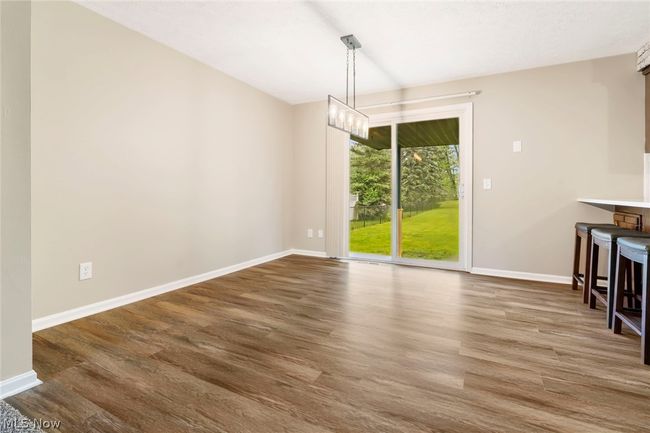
(88,310)
(546,278)
(20,383)
(98,307)
(310,253)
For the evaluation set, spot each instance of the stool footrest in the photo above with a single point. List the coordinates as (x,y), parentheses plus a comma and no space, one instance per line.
(601,294)
(632,318)
(580,278)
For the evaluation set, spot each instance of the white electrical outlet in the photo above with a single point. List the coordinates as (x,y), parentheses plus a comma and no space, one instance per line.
(85,271)
(487,183)
(516,146)
(321,233)
(310,233)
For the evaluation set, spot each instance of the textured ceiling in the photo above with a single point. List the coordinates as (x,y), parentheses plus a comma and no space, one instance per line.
(292,49)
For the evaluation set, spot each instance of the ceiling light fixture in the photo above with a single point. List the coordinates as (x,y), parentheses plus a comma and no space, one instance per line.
(341,115)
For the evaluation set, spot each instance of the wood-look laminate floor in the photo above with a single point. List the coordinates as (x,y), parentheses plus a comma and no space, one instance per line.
(315,345)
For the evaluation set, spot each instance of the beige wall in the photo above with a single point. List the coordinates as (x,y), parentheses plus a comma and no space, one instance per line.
(149,164)
(15,296)
(582,127)
(309,192)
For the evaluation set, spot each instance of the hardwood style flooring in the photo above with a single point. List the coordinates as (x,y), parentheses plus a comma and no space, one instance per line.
(316,345)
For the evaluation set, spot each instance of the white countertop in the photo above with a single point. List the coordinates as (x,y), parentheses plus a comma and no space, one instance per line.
(608,202)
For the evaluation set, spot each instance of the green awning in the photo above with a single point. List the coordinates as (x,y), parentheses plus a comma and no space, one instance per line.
(440,132)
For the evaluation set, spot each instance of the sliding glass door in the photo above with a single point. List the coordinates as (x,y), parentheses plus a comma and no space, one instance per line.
(407,191)
(429,165)
(371,193)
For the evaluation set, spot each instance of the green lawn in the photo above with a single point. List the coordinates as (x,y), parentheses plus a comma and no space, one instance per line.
(431,235)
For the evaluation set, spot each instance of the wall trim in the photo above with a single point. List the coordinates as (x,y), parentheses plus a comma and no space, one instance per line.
(19,383)
(545,278)
(310,253)
(129,298)
(108,304)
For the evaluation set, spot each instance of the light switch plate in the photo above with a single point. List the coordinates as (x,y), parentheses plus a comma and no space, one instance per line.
(321,233)
(516,146)
(310,233)
(85,271)
(487,183)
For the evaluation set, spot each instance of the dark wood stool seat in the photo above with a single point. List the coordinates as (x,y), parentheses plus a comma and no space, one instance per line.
(606,238)
(633,250)
(583,231)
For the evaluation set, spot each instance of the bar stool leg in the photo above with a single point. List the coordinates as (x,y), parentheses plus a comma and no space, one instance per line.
(638,284)
(621,269)
(629,288)
(645,317)
(611,283)
(591,279)
(576,261)
(585,286)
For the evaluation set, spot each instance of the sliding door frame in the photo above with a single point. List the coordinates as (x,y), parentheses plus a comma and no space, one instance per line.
(464,113)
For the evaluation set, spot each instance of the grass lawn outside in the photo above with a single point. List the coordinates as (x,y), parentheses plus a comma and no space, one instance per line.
(431,234)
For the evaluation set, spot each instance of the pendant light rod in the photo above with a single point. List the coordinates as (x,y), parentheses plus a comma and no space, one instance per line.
(347,76)
(351,43)
(354,78)
(418,100)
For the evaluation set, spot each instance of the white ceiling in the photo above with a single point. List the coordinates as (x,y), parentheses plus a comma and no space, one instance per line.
(292,49)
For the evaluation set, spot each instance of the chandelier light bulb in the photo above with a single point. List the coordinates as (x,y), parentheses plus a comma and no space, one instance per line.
(333,111)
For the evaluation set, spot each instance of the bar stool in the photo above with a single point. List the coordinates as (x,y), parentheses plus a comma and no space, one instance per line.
(583,231)
(606,238)
(633,251)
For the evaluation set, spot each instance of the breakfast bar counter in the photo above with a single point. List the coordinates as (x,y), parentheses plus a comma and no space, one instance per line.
(611,204)
(628,213)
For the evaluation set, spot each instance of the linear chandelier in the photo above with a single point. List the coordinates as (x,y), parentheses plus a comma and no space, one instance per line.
(341,115)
